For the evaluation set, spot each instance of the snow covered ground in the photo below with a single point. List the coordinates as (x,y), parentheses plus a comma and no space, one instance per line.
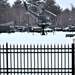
(35,38)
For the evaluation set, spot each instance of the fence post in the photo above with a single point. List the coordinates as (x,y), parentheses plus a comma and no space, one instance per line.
(7,56)
(0,59)
(73,59)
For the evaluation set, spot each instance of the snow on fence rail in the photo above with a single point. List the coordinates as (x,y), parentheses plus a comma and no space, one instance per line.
(36,60)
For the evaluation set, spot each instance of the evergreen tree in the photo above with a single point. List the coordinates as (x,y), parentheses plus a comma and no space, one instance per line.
(17,3)
(32,1)
(73,14)
(52,6)
(4,6)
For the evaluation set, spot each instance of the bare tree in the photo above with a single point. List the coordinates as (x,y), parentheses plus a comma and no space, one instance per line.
(4,6)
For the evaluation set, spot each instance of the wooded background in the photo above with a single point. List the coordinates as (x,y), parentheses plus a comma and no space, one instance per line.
(17,13)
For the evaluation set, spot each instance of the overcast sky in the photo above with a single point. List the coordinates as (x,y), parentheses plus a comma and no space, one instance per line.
(62,3)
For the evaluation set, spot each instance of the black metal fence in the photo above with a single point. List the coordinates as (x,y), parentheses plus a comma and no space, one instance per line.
(36,60)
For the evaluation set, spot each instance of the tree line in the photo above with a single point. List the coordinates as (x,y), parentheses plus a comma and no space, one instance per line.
(67,17)
(20,16)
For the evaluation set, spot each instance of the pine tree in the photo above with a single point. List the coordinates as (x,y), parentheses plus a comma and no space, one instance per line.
(17,3)
(52,6)
(32,1)
(4,5)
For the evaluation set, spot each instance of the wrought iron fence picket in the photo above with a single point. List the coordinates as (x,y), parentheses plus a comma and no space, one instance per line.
(40,60)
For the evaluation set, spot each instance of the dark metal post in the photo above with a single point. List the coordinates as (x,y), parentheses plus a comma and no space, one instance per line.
(43,32)
(0,59)
(7,56)
(73,59)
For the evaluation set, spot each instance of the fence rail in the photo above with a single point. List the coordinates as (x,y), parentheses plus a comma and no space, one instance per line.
(39,60)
